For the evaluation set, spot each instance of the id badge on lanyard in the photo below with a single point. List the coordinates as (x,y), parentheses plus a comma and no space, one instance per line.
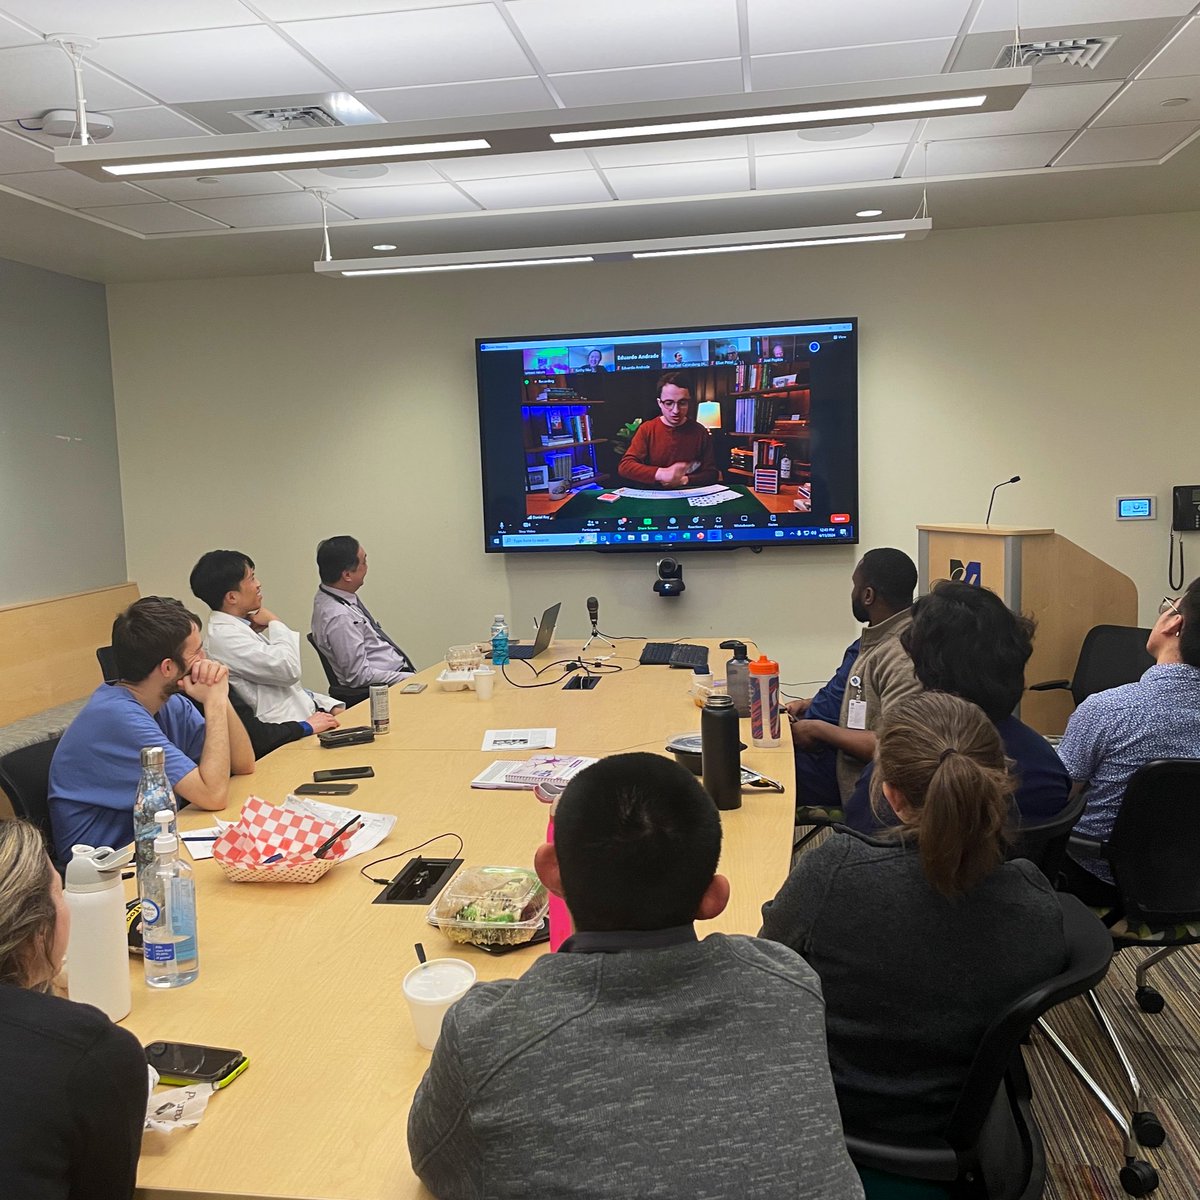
(856,710)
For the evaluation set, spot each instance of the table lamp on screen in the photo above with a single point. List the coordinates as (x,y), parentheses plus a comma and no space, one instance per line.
(708,413)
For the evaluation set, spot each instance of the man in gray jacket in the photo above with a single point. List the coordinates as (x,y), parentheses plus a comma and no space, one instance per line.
(638,1060)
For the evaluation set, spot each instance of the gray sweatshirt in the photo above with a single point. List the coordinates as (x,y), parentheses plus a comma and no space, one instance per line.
(694,1070)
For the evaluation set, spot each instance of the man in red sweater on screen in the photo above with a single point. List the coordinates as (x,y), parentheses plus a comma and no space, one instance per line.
(672,450)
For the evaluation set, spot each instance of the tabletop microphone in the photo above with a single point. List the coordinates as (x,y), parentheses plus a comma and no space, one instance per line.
(593,607)
(1002,483)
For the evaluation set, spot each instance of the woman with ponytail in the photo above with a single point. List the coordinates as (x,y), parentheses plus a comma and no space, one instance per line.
(924,936)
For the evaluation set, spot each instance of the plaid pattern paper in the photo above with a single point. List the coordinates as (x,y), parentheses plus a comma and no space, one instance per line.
(265,830)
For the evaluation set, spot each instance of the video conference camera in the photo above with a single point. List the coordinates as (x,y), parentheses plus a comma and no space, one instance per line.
(670,578)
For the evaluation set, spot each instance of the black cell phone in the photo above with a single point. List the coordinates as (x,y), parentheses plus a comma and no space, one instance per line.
(181,1062)
(337,773)
(332,738)
(325,789)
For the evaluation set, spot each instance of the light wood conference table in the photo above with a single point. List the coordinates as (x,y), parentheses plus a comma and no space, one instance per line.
(306,978)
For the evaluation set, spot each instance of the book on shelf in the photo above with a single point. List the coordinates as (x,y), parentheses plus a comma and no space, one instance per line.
(541,768)
(564,440)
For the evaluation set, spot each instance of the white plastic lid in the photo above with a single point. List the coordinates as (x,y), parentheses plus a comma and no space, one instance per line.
(166,842)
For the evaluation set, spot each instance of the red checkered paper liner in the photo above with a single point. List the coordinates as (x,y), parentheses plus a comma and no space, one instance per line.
(264,830)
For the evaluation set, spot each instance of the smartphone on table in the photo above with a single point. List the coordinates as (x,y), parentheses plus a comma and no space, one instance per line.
(182,1063)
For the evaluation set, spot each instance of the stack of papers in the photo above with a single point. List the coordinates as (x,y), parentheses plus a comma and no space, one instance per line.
(541,768)
(519,739)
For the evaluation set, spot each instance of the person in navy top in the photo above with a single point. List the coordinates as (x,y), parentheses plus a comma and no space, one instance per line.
(816,770)
(966,641)
(95,770)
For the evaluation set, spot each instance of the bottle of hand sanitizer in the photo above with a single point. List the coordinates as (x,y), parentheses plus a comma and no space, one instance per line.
(168,893)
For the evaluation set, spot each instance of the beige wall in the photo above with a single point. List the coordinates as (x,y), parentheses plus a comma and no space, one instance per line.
(264,414)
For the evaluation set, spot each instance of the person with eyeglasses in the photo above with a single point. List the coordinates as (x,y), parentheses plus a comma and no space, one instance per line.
(673,450)
(95,770)
(1113,733)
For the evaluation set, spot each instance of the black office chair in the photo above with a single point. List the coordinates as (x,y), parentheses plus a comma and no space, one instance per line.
(1045,844)
(25,778)
(107,658)
(1153,851)
(991,1148)
(1110,656)
(349,696)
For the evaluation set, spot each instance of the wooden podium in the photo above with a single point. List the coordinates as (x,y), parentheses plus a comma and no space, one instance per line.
(1060,585)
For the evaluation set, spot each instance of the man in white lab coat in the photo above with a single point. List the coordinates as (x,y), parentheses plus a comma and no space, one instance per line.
(261,652)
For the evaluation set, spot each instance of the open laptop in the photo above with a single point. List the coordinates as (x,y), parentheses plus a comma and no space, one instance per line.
(545,635)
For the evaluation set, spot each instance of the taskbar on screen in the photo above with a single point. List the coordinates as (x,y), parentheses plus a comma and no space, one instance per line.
(675,537)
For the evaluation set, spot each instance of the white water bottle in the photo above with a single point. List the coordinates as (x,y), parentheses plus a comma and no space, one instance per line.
(98,950)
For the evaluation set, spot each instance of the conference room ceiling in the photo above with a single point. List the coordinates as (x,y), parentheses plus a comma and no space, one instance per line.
(1118,136)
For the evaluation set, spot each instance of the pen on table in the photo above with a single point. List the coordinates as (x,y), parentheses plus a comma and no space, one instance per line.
(204,837)
(328,844)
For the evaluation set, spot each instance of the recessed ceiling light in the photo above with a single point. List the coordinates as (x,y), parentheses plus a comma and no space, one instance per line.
(869,212)
(384,246)
(208,180)
(1174,101)
(835,133)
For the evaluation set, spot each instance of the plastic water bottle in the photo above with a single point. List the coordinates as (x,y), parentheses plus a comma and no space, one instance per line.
(499,640)
(764,702)
(154,795)
(721,752)
(168,913)
(97,950)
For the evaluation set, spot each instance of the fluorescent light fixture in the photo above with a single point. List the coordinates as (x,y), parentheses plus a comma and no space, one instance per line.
(818,116)
(805,108)
(791,245)
(283,160)
(468,266)
(717,243)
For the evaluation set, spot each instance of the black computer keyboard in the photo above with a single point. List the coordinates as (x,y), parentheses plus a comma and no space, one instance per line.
(674,654)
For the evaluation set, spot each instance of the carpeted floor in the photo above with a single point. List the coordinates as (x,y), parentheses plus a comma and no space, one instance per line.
(1084,1149)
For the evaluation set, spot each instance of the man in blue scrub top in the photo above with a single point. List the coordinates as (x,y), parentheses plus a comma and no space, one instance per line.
(96,768)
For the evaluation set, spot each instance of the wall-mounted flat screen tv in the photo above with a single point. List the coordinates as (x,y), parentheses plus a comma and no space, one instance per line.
(717,437)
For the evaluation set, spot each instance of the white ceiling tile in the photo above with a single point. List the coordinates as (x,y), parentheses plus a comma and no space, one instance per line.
(675,81)
(35,78)
(440,45)
(1129,143)
(1000,15)
(402,201)
(1181,57)
(827,166)
(1041,109)
(248,184)
(11,34)
(118,18)
(458,99)
(648,154)
(17,154)
(306,10)
(680,179)
(502,166)
(154,218)
(570,35)
(788,141)
(1141,103)
(242,212)
(74,190)
(978,156)
(777,26)
(539,191)
(898,60)
(397,175)
(212,64)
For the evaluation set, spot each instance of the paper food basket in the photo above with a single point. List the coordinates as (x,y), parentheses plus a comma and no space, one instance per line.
(265,830)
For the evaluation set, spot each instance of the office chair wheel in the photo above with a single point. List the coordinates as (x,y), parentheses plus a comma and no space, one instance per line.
(1149,1001)
(1148,1130)
(1138,1178)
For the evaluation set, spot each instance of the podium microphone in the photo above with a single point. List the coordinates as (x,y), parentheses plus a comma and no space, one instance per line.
(1002,483)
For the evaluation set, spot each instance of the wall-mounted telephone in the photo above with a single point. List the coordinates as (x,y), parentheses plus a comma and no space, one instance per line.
(1185,518)
(1185,508)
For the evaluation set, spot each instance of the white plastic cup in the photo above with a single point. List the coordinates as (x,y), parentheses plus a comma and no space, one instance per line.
(485,683)
(430,989)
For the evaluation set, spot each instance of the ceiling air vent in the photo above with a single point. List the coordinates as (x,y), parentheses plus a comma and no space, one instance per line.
(1069,52)
(275,120)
